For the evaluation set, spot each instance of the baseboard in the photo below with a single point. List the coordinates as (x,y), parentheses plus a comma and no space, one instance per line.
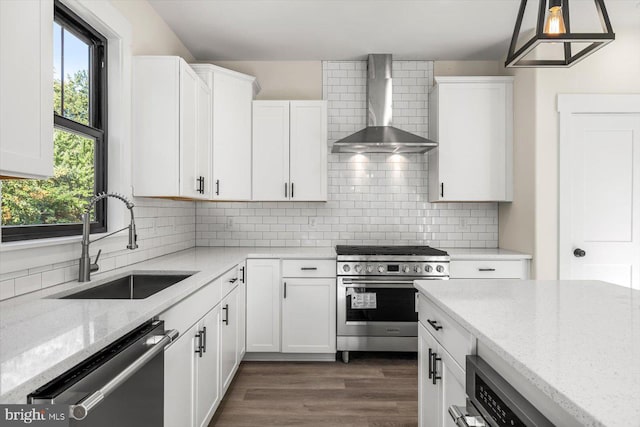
(290,357)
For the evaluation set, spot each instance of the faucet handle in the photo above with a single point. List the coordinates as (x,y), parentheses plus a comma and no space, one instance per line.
(94,265)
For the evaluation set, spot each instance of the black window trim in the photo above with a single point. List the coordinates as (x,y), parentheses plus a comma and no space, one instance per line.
(96,130)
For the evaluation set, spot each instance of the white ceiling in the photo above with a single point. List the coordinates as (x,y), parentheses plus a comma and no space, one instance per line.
(349,29)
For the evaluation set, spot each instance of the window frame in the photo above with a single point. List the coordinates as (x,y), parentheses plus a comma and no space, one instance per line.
(96,130)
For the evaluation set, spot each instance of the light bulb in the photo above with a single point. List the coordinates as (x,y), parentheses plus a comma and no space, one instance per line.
(555,21)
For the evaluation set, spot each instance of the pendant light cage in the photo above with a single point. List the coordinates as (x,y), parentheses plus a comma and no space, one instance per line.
(516,58)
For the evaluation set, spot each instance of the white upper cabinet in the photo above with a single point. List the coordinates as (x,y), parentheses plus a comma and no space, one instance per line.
(171,138)
(232,94)
(26,89)
(471,118)
(290,150)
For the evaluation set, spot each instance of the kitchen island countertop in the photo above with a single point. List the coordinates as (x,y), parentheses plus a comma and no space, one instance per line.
(578,342)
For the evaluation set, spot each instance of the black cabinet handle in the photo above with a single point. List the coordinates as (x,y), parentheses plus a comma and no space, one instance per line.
(226,314)
(486,269)
(442,189)
(430,363)
(217,187)
(434,324)
(292,190)
(285,290)
(234,280)
(434,372)
(286,194)
(308,268)
(579,253)
(242,270)
(204,339)
(199,347)
(200,181)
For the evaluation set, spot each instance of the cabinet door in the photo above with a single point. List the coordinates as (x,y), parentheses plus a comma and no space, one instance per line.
(188,131)
(263,305)
(242,314)
(203,147)
(451,385)
(228,338)
(309,316)
(473,132)
(308,150)
(207,376)
(232,98)
(271,150)
(428,393)
(179,374)
(26,88)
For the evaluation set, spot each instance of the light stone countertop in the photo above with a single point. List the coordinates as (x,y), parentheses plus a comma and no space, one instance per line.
(41,337)
(468,254)
(578,342)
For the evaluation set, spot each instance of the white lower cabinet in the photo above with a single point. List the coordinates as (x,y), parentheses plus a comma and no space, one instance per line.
(440,382)
(179,374)
(231,325)
(207,371)
(291,314)
(309,315)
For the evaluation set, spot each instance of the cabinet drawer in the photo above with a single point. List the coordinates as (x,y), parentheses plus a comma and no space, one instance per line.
(308,268)
(494,269)
(190,310)
(451,336)
(229,281)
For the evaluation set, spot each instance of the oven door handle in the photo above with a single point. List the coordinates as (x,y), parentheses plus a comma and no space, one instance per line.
(459,416)
(377,283)
(80,410)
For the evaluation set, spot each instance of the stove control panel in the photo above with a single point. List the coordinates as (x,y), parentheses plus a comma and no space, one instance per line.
(393,268)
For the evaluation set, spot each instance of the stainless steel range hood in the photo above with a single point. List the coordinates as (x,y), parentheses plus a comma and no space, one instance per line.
(379,136)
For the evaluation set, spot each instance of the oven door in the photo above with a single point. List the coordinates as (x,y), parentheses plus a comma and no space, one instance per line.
(377,306)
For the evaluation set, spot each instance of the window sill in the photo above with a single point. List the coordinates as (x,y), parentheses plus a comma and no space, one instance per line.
(43,243)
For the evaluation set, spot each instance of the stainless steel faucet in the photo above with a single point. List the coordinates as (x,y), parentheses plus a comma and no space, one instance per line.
(86,266)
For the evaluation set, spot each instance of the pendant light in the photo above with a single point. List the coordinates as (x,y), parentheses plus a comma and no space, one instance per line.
(553,26)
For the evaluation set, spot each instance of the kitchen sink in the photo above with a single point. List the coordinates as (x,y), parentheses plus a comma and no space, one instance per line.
(133,286)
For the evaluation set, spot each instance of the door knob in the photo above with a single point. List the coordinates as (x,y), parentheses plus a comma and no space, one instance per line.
(579,253)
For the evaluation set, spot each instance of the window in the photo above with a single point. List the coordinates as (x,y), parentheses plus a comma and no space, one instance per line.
(36,209)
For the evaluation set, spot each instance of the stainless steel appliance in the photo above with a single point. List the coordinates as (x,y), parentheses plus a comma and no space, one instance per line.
(121,385)
(376,299)
(493,402)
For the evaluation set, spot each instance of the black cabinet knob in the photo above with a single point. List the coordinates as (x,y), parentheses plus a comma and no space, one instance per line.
(579,253)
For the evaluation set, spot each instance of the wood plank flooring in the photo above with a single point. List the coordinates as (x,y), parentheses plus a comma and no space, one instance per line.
(373,390)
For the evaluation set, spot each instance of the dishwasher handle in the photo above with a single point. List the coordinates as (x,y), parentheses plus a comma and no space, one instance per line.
(157,343)
(462,419)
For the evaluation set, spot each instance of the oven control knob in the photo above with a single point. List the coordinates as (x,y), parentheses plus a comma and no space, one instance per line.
(346,268)
(417,269)
(406,269)
(358,268)
(380,268)
(369,268)
(428,268)
(439,269)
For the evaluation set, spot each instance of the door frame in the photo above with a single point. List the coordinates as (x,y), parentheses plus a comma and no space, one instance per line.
(568,106)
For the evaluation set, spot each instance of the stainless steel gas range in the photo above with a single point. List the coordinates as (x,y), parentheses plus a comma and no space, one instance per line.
(376,298)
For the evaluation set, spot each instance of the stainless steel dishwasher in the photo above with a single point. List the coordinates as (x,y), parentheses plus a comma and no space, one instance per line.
(121,385)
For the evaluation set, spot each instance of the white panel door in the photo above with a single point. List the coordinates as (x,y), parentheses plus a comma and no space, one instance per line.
(26,88)
(228,338)
(271,150)
(179,374)
(308,150)
(188,131)
(472,141)
(207,375)
(451,385)
(427,391)
(604,216)
(203,135)
(263,305)
(309,316)
(232,99)
(242,316)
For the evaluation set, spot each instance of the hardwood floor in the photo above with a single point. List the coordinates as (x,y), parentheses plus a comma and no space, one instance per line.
(373,390)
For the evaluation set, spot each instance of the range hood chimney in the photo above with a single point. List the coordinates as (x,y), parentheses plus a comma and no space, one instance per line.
(379,136)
